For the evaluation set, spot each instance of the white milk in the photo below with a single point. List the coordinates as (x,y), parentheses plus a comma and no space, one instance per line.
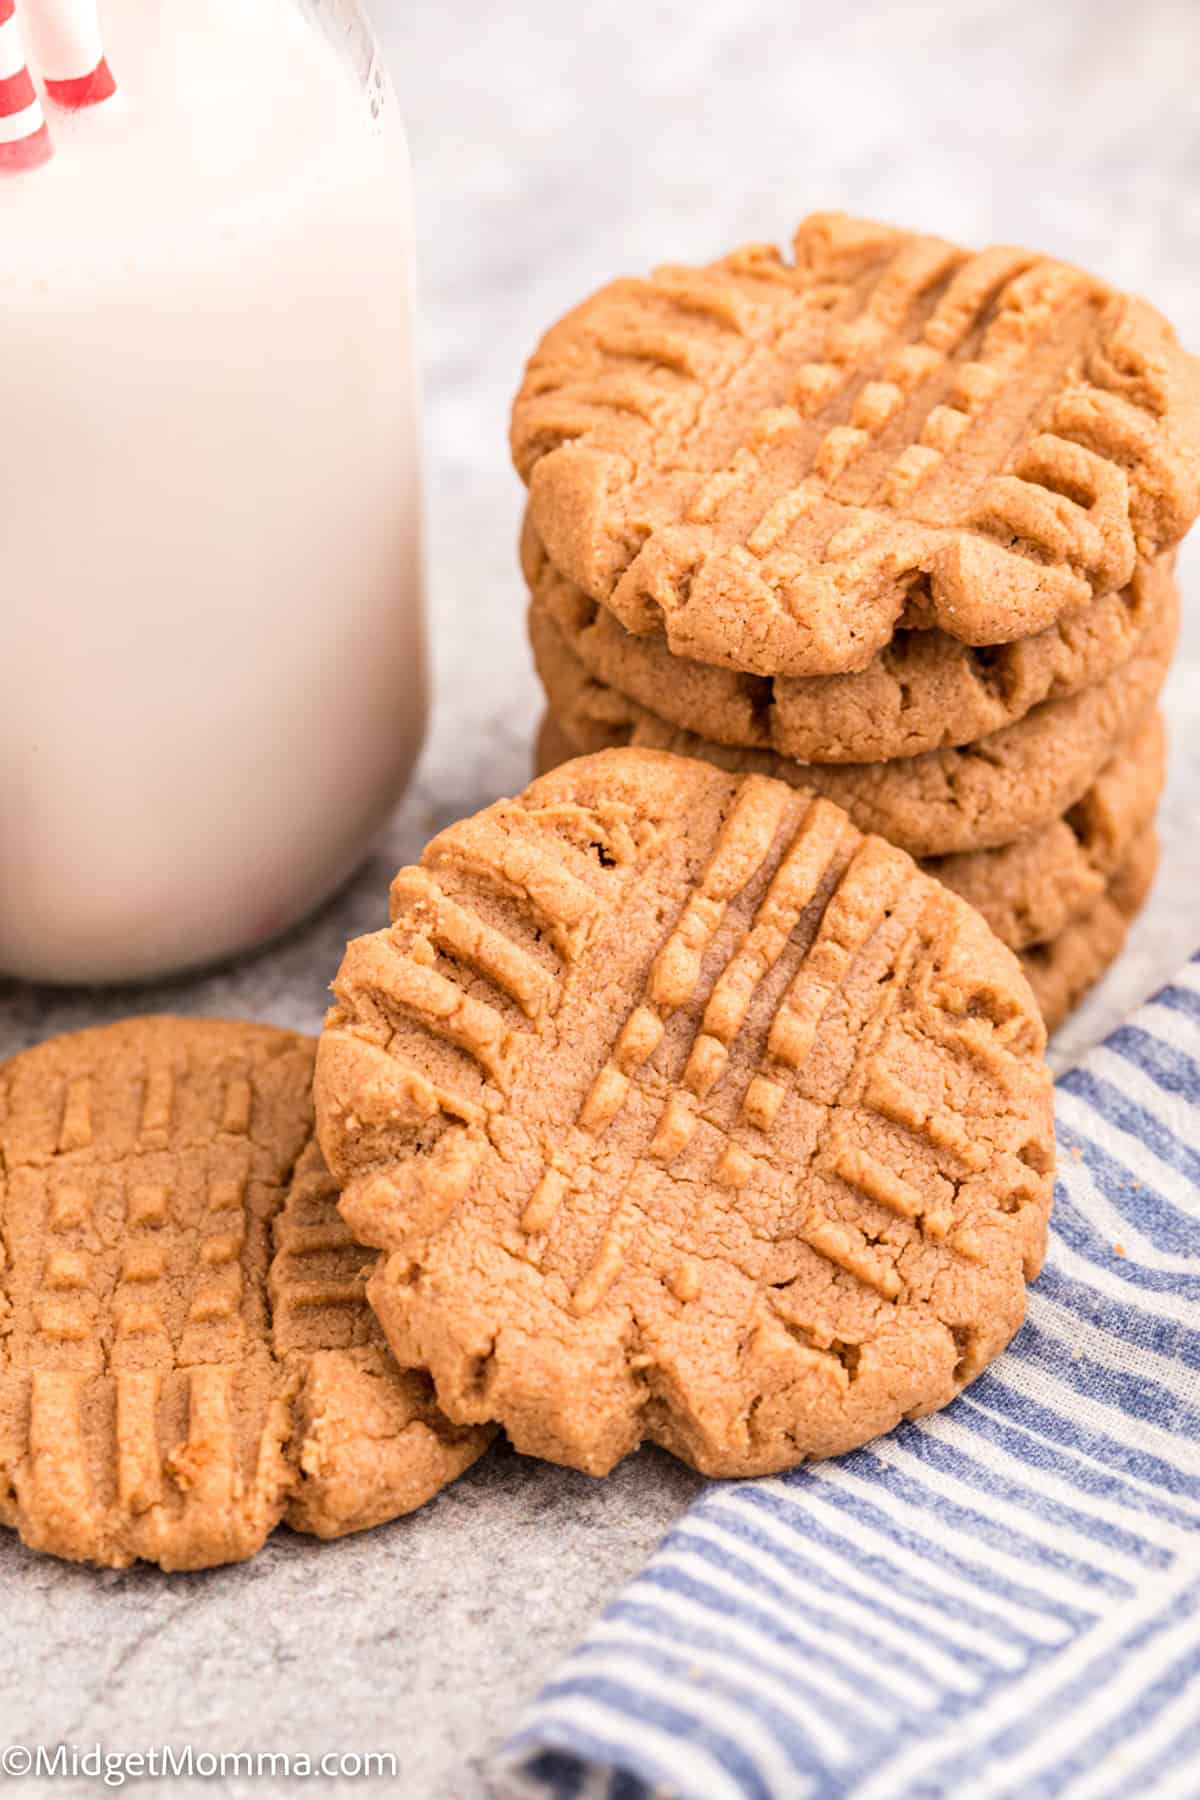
(212,663)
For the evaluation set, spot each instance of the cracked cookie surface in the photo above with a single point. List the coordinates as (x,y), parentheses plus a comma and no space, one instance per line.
(682,1111)
(975,797)
(1062,971)
(1031,890)
(187,1356)
(775,464)
(924,691)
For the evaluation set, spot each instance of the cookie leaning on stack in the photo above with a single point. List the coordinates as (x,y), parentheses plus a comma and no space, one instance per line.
(682,1111)
(893,520)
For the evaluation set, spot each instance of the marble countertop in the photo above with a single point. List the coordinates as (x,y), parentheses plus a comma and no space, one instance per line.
(553,147)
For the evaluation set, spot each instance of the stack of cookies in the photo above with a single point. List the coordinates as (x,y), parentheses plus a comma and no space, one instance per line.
(675,1103)
(892,521)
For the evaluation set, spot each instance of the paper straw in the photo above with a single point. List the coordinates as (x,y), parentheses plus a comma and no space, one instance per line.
(67,50)
(24,139)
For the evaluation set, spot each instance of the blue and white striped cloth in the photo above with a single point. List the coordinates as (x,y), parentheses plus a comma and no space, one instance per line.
(1000,1601)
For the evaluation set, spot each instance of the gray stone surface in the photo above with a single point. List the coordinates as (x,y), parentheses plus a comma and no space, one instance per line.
(554,146)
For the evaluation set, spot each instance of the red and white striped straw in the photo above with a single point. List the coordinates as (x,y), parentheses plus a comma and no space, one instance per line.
(24,139)
(64,36)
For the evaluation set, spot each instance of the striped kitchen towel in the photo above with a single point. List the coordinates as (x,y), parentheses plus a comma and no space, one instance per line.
(1001,1600)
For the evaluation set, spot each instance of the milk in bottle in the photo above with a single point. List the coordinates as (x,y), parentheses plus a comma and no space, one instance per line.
(212,664)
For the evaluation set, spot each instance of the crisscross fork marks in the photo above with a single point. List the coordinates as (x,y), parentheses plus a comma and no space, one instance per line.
(1000,429)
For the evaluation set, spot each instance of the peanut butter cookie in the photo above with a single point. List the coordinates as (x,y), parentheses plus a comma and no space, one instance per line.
(777,464)
(187,1354)
(923,691)
(682,1111)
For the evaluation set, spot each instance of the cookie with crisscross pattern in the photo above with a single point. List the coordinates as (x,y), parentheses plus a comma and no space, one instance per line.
(681,1110)
(776,464)
(187,1356)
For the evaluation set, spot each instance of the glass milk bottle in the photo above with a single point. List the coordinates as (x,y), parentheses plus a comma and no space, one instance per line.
(212,657)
